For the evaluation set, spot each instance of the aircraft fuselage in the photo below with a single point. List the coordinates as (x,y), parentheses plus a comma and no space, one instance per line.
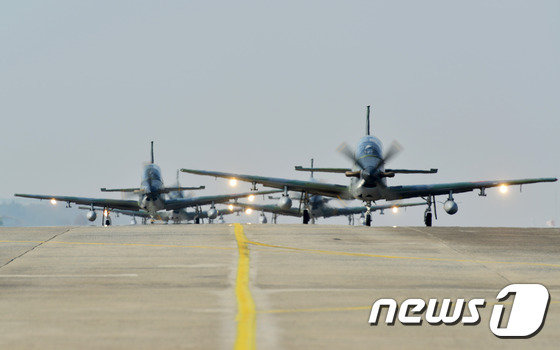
(369,154)
(152,199)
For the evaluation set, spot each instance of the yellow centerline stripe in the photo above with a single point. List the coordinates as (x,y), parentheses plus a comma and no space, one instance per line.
(124,244)
(330,252)
(246,316)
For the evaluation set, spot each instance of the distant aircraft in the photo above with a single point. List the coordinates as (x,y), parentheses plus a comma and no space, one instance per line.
(151,195)
(318,207)
(369,181)
(178,215)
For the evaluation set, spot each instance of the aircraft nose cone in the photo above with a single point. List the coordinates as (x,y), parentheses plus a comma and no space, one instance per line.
(368,174)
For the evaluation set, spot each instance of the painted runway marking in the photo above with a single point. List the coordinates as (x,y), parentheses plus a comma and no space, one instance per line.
(125,244)
(39,243)
(246,316)
(331,252)
(70,276)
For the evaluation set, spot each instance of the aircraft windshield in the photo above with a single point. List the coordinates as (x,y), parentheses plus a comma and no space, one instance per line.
(369,148)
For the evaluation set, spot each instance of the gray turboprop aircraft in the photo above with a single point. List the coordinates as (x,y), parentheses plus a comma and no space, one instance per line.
(369,181)
(178,215)
(318,207)
(151,196)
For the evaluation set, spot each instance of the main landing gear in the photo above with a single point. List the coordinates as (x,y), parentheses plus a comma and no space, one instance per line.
(431,200)
(106,219)
(428,217)
(306,216)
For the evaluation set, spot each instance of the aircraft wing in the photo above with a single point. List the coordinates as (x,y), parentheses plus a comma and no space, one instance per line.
(330,211)
(311,187)
(179,203)
(398,192)
(271,208)
(99,202)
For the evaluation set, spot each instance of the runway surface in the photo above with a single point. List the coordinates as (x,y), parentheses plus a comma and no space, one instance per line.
(269,286)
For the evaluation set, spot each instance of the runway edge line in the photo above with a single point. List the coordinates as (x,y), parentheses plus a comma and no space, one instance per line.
(246,315)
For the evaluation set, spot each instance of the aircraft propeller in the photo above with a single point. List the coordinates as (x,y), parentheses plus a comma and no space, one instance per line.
(370,174)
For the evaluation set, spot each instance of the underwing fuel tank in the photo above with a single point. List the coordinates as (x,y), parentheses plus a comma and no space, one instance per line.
(212,213)
(91,215)
(450,207)
(285,202)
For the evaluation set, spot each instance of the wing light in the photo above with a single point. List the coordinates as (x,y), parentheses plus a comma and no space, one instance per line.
(503,188)
(251,198)
(105,212)
(233,182)
(395,210)
(53,201)
(248,211)
(230,207)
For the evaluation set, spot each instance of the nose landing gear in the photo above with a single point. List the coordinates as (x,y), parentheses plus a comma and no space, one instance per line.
(367,221)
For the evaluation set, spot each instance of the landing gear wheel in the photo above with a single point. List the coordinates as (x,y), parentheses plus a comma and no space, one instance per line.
(306,217)
(197,221)
(107,222)
(428,218)
(368,219)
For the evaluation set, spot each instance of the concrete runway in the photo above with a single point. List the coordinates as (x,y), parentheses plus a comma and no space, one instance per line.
(273,286)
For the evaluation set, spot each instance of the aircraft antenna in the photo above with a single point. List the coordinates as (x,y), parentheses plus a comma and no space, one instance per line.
(367,122)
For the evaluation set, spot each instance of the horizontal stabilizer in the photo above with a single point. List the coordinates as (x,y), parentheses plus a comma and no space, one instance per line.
(136,189)
(181,188)
(411,171)
(322,170)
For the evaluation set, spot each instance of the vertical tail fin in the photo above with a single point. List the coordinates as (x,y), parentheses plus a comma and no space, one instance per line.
(311,167)
(152,151)
(367,122)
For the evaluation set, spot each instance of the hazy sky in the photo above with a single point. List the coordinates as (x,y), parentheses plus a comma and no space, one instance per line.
(470,87)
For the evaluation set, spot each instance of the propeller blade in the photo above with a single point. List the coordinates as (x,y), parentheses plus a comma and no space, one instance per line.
(347,151)
(394,149)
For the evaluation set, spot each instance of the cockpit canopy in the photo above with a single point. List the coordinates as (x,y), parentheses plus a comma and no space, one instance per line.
(152,171)
(369,145)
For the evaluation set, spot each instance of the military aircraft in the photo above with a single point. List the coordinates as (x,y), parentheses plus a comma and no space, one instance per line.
(369,181)
(318,207)
(151,196)
(175,216)
(178,215)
